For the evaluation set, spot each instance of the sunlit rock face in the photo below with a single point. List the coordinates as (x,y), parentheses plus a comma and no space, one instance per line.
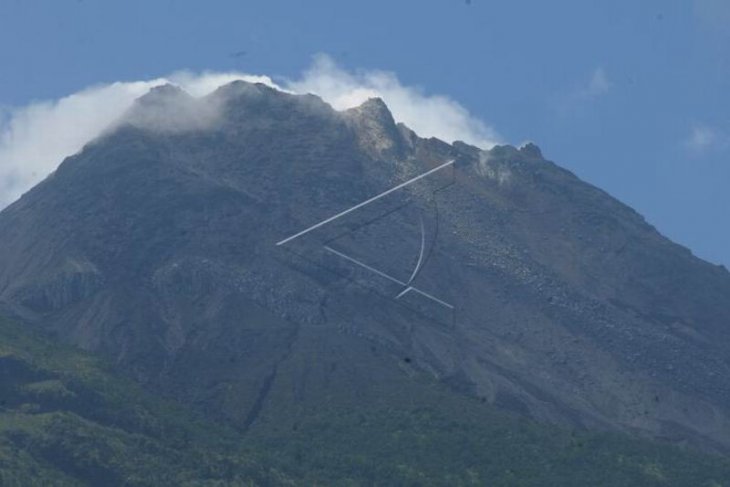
(502,275)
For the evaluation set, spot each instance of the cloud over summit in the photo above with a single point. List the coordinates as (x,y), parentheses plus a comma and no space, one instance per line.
(34,139)
(429,115)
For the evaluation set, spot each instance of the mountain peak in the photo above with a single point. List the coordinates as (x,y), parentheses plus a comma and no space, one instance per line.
(162,95)
(170,109)
(531,150)
(240,87)
(375,128)
(375,108)
(168,89)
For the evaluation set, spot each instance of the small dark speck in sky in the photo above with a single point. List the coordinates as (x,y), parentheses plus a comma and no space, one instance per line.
(660,16)
(238,54)
(468,2)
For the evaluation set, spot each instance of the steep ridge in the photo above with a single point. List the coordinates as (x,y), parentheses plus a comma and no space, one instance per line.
(157,246)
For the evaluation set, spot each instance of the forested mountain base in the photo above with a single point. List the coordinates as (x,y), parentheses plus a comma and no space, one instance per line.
(67,419)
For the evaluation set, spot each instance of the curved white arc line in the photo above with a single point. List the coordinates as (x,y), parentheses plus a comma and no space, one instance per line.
(421,254)
(390,278)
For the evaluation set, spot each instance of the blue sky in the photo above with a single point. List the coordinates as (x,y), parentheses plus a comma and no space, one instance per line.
(632,96)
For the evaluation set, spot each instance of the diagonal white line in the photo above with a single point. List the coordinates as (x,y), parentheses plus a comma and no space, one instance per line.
(371,269)
(426,295)
(390,278)
(366,202)
(403,292)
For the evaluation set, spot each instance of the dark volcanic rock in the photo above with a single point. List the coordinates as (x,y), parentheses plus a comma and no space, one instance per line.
(156,245)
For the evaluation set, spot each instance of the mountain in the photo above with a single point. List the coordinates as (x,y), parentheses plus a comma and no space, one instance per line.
(68,419)
(263,258)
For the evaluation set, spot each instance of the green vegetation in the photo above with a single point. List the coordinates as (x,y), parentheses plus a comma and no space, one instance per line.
(473,447)
(67,419)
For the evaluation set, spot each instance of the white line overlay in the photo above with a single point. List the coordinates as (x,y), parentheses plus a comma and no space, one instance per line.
(407,287)
(390,278)
(366,202)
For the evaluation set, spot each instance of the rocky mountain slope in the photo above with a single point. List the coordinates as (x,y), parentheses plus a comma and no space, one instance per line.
(163,245)
(67,419)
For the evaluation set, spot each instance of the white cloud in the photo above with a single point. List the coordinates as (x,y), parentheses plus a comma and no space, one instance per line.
(35,138)
(713,14)
(598,85)
(576,100)
(703,138)
(429,115)
(206,82)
